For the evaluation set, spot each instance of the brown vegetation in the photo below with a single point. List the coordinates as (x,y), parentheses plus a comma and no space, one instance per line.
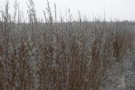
(58,56)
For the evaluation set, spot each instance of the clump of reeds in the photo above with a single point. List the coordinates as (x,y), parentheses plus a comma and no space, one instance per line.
(58,55)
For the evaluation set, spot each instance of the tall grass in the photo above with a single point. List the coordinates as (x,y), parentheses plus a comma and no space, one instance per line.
(58,55)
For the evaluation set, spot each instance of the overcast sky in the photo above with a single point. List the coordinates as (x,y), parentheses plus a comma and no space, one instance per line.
(113,9)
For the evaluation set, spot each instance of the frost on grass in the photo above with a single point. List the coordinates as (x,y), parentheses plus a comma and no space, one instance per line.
(63,55)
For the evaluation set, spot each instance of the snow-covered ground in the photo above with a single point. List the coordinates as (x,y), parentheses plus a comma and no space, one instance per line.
(121,76)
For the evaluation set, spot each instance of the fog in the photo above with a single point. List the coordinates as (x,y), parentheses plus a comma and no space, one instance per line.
(110,9)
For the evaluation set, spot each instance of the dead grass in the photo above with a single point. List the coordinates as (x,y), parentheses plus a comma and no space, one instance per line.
(59,56)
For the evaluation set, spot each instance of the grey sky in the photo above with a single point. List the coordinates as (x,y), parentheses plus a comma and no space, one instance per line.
(114,9)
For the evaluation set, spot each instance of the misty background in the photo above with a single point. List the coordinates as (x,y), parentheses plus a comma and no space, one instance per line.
(110,9)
